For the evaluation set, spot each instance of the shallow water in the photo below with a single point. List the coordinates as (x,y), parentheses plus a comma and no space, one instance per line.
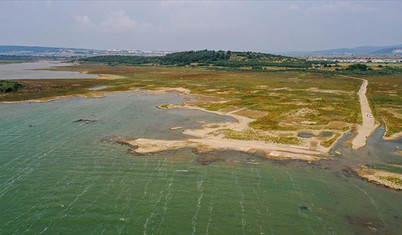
(33,70)
(57,176)
(305,135)
(97,88)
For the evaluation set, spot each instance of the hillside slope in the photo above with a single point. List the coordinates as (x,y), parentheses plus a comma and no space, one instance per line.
(206,58)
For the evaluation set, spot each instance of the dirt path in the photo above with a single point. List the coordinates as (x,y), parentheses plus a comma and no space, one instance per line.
(368,126)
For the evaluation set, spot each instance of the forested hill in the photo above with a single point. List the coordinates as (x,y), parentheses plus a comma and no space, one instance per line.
(206,58)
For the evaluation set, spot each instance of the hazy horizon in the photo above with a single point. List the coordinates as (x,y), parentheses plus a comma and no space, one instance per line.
(266,26)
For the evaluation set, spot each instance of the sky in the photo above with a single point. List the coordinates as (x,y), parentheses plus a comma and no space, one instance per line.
(264,26)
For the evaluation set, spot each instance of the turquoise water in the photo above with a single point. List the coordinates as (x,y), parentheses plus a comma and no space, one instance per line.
(58,176)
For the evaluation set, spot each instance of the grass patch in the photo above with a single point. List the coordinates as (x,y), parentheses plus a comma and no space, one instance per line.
(213,106)
(328,143)
(392,123)
(392,179)
(164,106)
(385,92)
(251,135)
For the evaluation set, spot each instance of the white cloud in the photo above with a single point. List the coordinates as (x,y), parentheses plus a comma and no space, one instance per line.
(49,3)
(293,7)
(340,7)
(83,20)
(170,3)
(118,21)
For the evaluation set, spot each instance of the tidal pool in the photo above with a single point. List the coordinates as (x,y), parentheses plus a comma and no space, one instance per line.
(305,135)
(58,176)
(97,88)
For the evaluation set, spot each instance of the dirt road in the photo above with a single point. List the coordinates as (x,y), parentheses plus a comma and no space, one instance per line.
(368,126)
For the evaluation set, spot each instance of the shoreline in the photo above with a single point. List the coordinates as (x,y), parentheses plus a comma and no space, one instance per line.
(392,137)
(381,177)
(100,94)
(202,139)
(89,95)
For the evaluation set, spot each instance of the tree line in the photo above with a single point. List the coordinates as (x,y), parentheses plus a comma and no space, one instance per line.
(205,58)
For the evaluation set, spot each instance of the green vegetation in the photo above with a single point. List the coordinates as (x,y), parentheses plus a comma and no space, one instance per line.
(217,59)
(122,60)
(286,97)
(252,135)
(385,97)
(164,106)
(50,88)
(359,67)
(8,59)
(290,98)
(328,143)
(243,61)
(9,86)
(393,124)
(392,179)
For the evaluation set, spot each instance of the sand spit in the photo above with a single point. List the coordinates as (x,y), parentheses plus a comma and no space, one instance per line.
(203,140)
(368,126)
(270,150)
(381,177)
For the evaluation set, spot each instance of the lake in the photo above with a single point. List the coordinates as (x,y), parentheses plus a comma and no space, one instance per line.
(58,175)
(35,70)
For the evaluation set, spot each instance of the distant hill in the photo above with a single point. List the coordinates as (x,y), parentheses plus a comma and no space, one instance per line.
(217,59)
(391,50)
(363,50)
(69,52)
(42,51)
(8,49)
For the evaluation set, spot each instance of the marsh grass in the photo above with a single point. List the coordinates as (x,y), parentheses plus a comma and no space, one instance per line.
(393,124)
(280,94)
(392,179)
(385,92)
(328,143)
(252,135)
(164,106)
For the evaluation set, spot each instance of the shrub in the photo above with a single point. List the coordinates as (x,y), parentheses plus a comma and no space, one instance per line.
(9,86)
(360,67)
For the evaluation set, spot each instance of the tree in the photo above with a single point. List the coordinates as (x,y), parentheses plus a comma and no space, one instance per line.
(359,67)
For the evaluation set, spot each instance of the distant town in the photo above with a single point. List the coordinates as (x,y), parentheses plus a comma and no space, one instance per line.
(72,52)
(393,56)
(356,60)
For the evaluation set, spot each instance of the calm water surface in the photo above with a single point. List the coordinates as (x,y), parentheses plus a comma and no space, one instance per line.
(34,71)
(57,176)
